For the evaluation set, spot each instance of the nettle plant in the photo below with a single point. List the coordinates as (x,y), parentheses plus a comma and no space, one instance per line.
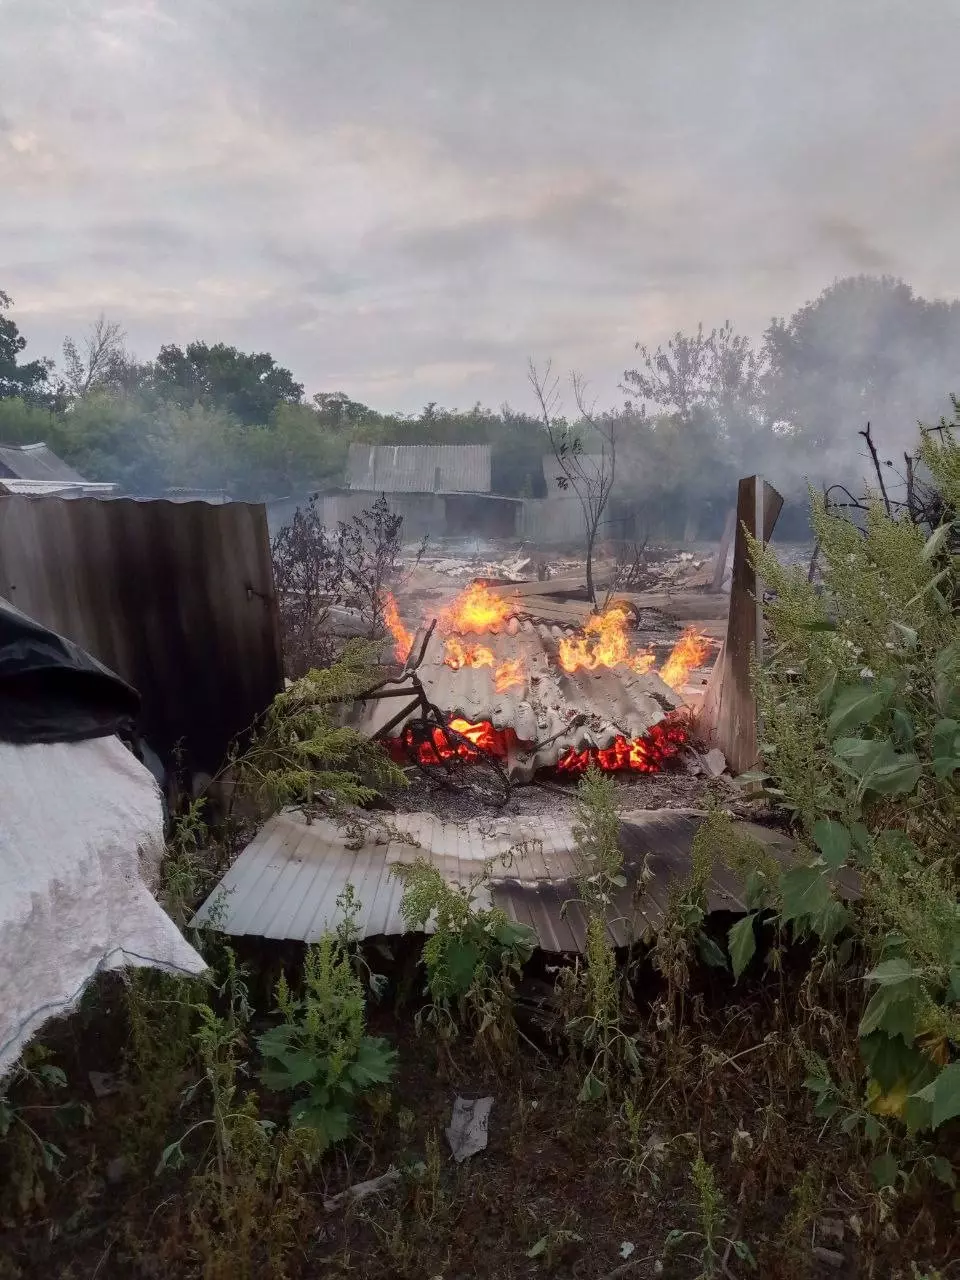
(473,955)
(320,1052)
(860,713)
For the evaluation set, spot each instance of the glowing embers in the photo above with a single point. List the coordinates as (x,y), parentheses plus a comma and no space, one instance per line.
(652,753)
(498,742)
(603,643)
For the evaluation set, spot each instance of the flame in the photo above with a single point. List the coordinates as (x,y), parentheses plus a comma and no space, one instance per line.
(476,609)
(649,754)
(604,643)
(510,675)
(457,655)
(496,741)
(402,638)
(690,652)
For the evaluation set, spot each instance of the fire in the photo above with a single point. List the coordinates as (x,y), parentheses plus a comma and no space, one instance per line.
(495,741)
(509,675)
(649,754)
(690,652)
(604,643)
(403,639)
(457,654)
(476,609)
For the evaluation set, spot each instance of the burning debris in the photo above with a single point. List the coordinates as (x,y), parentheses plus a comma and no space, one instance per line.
(543,697)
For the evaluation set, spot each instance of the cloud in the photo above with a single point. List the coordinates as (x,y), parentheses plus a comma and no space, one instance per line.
(406,202)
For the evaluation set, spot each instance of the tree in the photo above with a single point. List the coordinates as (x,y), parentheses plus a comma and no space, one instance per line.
(589,475)
(247,386)
(101,361)
(867,350)
(27,381)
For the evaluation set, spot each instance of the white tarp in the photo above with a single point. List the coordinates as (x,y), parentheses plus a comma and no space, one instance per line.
(81,832)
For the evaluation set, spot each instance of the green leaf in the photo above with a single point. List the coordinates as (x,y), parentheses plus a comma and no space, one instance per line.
(892,973)
(742,943)
(861,755)
(859,704)
(936,542)
(710,953)
(890,1059)
(833,840)
(804,892)
(462,960)
(172,1157)
(945,746)
(953,985)
(946,1095)
(330,1123)
(829,923)
(884,1170)
(943,1171)
(374,1063)
(861,838)
(892,1010)
(742,1250)
(537,1250)
(895,777)
(592,1089)
(909,635)
(904,730)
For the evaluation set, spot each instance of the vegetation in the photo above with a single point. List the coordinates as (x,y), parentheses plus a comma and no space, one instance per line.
(700,411)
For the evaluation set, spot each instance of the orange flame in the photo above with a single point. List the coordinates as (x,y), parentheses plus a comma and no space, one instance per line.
(457,655)
(403,639)
(604,643)
(476,609)
(509,675)
(690,652)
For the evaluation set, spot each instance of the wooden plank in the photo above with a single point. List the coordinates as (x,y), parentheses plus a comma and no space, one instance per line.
(729,529)
(683,605)
(728,713)
(548,587)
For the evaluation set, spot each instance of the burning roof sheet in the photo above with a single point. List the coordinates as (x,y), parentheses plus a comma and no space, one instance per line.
(514,679)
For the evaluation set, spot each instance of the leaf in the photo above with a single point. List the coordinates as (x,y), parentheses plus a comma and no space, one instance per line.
(538,1249)
(742,943)
(374,1063)
(804,892)
(859,704)
(943,1171)
(898,776)
(892,1010)
(953,986)
(592,1089)
(462,959)
(891,973)
(861,755)
(172,1157)
(936,542)
(330,1123)
(890,1059)
(742,1250)
(946,1095)
(833,840)
(830,922)
(904,730)
(884,1170)
(710,953)
(910,636)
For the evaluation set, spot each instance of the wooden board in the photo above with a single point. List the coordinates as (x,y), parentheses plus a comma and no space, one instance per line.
(728,714)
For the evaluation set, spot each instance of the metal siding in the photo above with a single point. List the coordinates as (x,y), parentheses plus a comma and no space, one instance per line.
(36,462)
(176,598)
(285,884)
(417,468)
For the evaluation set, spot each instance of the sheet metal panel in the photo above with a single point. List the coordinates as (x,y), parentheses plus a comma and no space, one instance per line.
(177,598)
(419,468)
(286,883)
(35,462)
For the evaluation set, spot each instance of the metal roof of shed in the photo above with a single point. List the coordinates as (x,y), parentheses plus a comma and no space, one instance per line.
(285,884)
(35,462)
(419,468)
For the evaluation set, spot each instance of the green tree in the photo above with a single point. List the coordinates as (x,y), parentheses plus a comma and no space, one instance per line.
(28,381)
(248,386)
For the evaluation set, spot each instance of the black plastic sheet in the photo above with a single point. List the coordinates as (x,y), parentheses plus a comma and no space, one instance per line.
(51,690)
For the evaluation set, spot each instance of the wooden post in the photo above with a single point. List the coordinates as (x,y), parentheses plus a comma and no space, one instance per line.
(720,568)
(728,716)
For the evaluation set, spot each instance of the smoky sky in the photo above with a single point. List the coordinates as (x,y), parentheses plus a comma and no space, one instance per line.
(404,199)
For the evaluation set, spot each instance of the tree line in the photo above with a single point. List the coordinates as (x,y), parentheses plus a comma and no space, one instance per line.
(691,415)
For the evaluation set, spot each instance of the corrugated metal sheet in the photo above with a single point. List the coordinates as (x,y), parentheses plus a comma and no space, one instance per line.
(56,488)
(177,599)
(286,882)
(35,462)
(419,468)
(553,710)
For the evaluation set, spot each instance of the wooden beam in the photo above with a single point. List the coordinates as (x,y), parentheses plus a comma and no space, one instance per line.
(728,715)
(729,529)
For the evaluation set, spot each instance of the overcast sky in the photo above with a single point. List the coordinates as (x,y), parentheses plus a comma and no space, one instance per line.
(404,199)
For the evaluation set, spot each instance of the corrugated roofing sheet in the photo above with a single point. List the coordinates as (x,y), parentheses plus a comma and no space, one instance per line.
(553,710)
(286,882)
(55,488)
(419,468)
(35,462)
